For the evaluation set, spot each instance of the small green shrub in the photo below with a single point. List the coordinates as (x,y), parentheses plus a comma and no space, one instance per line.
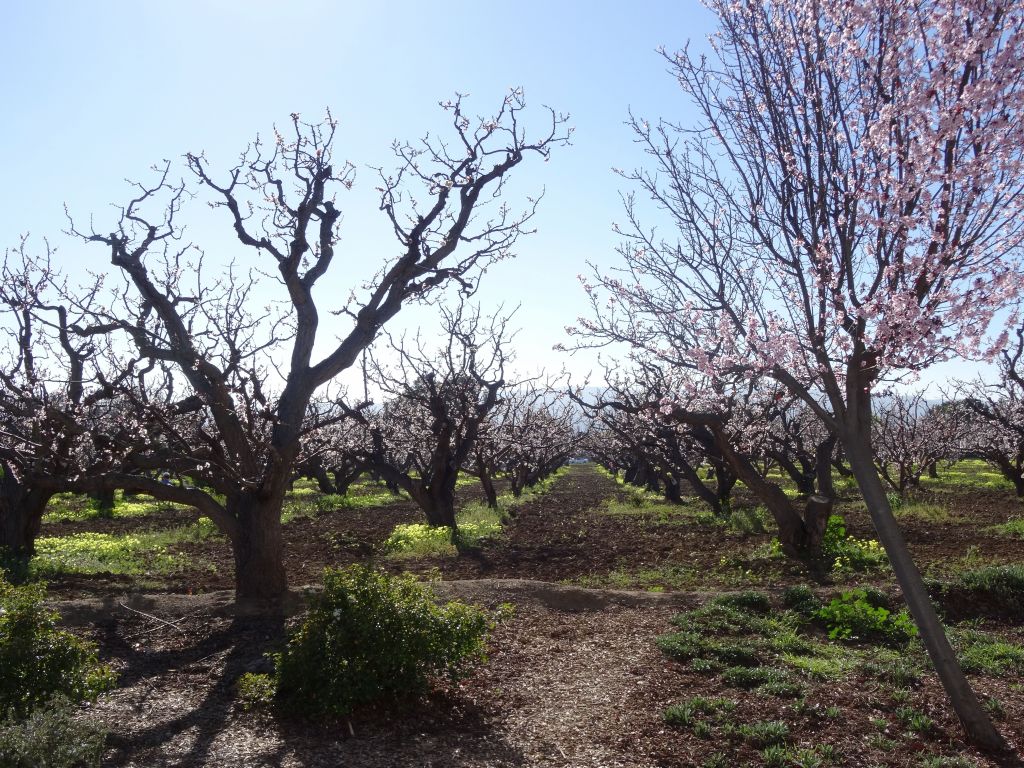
(329,502)
(734,654)
(749,522)
(39,661)
(680,715)
(718,619)
(1013,528)
(754,677)
(255,689)
(681,646)
(994,707)
(370,636)
(899,672)
(703,729)
(704,666)
(941,761)
(51,737)
(854,615)
(781,688)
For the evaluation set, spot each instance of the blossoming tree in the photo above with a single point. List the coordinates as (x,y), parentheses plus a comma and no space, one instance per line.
(846,207)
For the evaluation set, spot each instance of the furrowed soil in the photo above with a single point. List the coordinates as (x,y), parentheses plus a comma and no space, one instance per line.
(573,677)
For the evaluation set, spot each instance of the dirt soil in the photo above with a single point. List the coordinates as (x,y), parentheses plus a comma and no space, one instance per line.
(573,679)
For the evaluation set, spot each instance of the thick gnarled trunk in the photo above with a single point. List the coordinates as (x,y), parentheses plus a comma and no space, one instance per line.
(21,515)
(437,501)
(258,548)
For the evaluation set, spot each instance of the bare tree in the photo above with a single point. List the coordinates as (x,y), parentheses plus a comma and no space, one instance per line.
(251,371)
(440,400)
(60,424)
(995,413)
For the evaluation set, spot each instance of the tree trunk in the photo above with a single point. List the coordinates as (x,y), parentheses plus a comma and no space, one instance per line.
(823,467)
(323,481)
(672,492)
(104,502)
(258,547)
(977,724)
(816,514)
(437,501)
(792,533)
(725,481)
(704,493)
(21,514)
(487,483)
(804,483)
(933,469)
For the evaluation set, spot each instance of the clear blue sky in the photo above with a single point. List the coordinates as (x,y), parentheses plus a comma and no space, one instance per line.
(94,93)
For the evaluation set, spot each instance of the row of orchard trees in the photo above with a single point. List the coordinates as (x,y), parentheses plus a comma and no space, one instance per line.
(846,206)
(765,430)
(163,364)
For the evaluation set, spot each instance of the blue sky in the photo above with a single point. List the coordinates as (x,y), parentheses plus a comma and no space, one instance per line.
(96,92)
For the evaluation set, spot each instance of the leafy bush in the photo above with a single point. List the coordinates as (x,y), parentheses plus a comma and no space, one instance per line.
(255,689)
(39,661)
(370,636)
(854,614)
(51,737)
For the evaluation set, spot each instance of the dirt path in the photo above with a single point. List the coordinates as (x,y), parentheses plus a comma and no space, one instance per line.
(560,689)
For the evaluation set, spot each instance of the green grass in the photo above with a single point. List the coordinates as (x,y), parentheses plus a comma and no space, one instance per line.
(476,523)
(305,502)
(1002,582)
(967,474)
(72,507)
(661,512)
(133,554)
(1011,528)
(826,661)
(984,653)
(924,511)
(413,540)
